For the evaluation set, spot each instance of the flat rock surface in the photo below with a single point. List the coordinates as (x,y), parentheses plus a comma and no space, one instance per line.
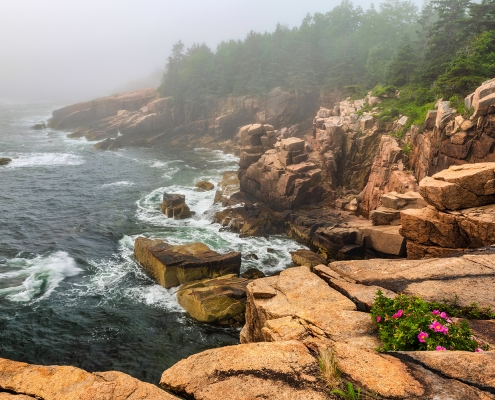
(276,370)
(472,368)
(174,265)
(471,277)
(70,383)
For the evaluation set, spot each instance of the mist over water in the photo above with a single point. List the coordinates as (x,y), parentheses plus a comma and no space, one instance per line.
(70,290)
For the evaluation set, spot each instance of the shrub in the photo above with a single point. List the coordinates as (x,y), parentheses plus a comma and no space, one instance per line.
(408,323)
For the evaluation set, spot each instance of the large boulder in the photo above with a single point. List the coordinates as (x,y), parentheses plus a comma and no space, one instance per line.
(271,371)
(483,99)
(468,228)
(173,265)
(460,186)
(219,300)
(27,381)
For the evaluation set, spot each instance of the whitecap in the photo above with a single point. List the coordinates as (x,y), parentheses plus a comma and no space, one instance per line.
(38,277)
(120,183)
(23,160)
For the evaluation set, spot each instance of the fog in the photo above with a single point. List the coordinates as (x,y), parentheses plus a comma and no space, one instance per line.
(71,50)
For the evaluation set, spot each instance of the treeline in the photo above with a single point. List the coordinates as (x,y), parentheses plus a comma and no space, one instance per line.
(447,47)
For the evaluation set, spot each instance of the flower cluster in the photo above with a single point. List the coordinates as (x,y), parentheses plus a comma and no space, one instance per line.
(409,323)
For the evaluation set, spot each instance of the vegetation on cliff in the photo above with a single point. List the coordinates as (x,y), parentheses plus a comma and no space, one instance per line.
(445,49)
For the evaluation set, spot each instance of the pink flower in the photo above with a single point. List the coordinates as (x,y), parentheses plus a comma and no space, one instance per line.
(378,319)
(436,327)
(443,315)
(435,312)
(478,350)
(398,314)
(440,348)
(422,336)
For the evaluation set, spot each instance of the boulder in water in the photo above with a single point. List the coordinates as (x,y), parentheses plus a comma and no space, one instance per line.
(204,186)
(5,160)
(174,206)
(39,127)
(175,265)
(219,300)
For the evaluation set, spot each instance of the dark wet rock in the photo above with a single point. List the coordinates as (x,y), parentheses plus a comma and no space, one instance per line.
(253,273)
(5,160)
(174,206)
(307,258)
(39,126)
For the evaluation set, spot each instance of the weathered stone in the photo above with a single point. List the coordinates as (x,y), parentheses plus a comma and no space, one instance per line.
(470,278)
(253,273)
(292,144)
(307,258)
(219,300)
(430,120)
(460,186)
(385,216)
(362,295)
(483,98)
(298,295)
(459,138)
(203,186)
(445,114)
(5,160)
(366,122)
(476,369)
(70,383)
(416,251)
(272,371)
(385,239)
(172,265)
(379,373)
(174,206)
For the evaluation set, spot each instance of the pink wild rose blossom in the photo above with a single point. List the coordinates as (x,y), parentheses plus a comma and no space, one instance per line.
(398,314)
(378,319)
(422,336)
(440,348)
(436,327)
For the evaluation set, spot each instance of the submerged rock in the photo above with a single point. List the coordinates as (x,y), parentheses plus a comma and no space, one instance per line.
(173,265)
(5,160)
(70,383)
(219,300)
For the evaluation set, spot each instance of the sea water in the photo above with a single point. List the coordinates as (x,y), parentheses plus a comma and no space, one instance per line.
(71,292)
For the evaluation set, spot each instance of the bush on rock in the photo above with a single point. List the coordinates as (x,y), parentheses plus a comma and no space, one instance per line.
(408,324)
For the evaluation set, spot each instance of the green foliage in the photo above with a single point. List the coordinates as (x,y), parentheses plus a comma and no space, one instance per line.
(454,309)
(407,148)
(384,91)
(408,323)
(350,393)
(470,67)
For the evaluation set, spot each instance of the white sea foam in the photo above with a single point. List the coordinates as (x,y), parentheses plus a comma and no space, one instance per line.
(36,278)
(110,274)
(23,160)
(120,183)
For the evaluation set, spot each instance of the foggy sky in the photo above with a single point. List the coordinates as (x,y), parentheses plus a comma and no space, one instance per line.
(72,50)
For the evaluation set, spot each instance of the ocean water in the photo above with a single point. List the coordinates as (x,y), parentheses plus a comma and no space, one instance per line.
(71,292)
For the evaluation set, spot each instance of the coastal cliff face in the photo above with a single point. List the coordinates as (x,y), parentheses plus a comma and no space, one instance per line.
(141,118)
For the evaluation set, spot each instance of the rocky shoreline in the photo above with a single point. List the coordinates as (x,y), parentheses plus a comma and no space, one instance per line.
(348,190)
